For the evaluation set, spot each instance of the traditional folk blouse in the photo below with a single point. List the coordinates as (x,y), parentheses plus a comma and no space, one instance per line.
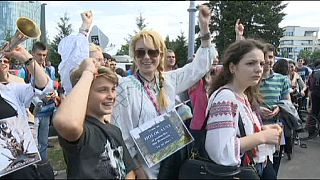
(222,140)
(134,107)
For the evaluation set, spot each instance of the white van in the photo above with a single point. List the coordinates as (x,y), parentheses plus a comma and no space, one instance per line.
(123,61)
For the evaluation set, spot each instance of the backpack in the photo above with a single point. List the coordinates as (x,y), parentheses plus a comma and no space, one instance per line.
(315,80)
(27,75)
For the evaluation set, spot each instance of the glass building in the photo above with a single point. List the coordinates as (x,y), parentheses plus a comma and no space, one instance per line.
(10,11)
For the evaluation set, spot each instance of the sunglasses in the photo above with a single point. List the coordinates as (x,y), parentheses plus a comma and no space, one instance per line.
(5,61)
(140,53)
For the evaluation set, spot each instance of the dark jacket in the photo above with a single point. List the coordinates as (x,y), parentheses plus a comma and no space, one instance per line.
(290,116)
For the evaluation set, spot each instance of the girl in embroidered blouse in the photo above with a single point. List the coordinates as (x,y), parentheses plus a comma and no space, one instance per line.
(233,94)
(150,91)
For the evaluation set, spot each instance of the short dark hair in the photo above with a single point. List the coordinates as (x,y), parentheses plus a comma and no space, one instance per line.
(39,46)
(269,47)
(281,67)
(121,72)
(113,59)
(106,55)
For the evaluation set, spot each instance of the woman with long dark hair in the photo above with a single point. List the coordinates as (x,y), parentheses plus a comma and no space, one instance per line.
(233,99)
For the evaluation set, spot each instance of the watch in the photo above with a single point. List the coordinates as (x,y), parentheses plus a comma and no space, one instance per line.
(206,36)
(84,31)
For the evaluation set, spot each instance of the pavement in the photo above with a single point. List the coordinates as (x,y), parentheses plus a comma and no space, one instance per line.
(304,163)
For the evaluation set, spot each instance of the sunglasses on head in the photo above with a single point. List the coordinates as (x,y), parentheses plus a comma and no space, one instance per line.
(140,53)
(5,61)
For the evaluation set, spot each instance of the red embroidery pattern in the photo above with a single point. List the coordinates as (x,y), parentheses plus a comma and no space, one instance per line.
(220,124)
(223,108)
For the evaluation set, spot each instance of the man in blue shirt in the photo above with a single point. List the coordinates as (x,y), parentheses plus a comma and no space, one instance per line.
(43,107)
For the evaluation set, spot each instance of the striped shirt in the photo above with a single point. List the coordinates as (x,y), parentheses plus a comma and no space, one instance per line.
(274,88)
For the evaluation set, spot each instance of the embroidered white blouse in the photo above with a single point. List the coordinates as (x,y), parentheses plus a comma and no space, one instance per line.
(133,106)
(222,142)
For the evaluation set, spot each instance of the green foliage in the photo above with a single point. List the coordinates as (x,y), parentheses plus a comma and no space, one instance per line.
(315,55)
(169,44)
(140,22)
(180,48)
(64,29)
(260,18)
(124,50)
(305,54)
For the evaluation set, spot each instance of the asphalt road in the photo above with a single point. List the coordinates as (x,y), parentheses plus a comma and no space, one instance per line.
(305,162)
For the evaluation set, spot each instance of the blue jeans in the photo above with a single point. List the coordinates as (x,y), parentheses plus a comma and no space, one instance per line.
(43,132)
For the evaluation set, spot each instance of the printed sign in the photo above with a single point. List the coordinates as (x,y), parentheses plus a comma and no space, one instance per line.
(160,137)
(18,148)
(95,40)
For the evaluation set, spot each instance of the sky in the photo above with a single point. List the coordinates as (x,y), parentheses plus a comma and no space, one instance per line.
(117,19)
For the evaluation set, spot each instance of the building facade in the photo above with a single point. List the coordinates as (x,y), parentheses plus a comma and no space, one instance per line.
(10,11)
(298,38)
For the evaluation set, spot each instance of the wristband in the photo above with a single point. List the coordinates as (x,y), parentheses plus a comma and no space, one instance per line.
(206,36)
(84,31)
(27,63)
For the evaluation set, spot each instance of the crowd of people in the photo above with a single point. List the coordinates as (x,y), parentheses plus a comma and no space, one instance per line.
(93,105)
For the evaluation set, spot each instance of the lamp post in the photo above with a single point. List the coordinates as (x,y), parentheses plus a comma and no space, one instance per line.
(42,21)
(192,12)
(43,37)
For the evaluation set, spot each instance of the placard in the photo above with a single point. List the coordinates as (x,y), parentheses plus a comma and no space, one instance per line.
(17,146)
(160,137)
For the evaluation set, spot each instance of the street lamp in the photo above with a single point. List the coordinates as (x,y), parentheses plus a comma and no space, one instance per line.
(192,13)
(43,37)
(42,20)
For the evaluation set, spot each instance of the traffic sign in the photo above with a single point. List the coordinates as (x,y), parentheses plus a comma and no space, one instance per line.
(98,37)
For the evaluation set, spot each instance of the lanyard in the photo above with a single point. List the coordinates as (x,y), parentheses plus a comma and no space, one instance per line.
(150,94)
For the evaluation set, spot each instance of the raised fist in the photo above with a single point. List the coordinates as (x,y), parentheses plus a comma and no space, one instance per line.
(87,18)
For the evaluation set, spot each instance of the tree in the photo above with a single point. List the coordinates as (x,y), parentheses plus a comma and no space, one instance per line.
(140,22)
(64,29)
(260,18)
(305,54)
(315,55)
(169,44)
(180,49)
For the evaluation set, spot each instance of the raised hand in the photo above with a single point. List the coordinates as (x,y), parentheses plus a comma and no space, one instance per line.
(87,18)
(239,28)
(204,19)
(19,53)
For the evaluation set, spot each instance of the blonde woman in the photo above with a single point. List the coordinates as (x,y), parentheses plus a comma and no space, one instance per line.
(151,92)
